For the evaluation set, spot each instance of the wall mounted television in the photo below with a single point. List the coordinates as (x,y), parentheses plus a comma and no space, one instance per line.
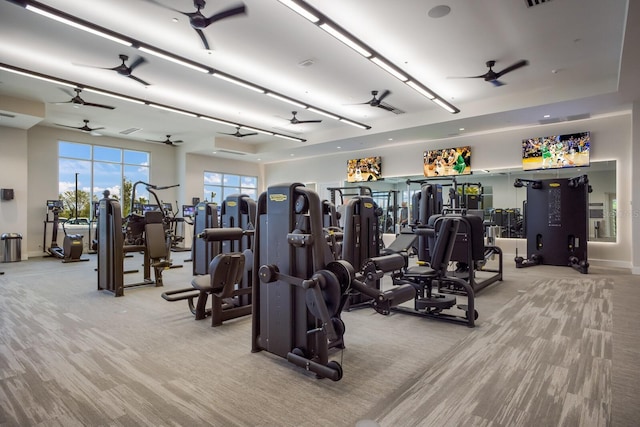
(556,151)
(447,162)
(366,169)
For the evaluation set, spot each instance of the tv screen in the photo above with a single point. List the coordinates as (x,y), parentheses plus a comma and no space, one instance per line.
(556,151)
(447,162)
(363,170)
(188,211)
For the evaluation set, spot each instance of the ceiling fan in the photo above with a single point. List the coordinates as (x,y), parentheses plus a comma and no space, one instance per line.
(198,21)
(167,141)
(378,102)
(123,69)
(493,76)
(237,133)
(294,120)
(77,101)
(84,128)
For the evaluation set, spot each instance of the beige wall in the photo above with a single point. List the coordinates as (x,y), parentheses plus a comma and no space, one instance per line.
(13,161)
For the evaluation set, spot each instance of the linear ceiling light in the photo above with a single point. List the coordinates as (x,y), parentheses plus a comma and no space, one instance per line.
(173,59)
(349,122)
(113,95)
(450,108)
(418,88)
(173,110)
(285,99)
(38,76)
(389,69)
(257,130)
(75,24)
(324,113)
(68,83)
(357,45)
(238,82)
(300,10)
(348,40)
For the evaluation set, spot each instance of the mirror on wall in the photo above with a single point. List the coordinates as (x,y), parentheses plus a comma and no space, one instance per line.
(493,192)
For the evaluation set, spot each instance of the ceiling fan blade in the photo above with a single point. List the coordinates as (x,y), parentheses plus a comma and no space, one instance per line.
(235,10)
(91,104)
(203,38)
(384,95)
(92,129)
(496,83)
(242,135)
(385,107)
(139,61)
(307,121)
(513,67)
(139,80)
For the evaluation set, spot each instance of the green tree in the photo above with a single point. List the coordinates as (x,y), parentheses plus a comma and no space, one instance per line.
(69,204)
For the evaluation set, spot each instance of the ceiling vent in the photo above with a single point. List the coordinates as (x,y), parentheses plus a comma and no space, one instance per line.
(130,131)
(531,3)
(9,116)
(237,153)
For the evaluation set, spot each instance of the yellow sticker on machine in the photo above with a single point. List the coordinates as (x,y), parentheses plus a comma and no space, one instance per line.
(277,197)
(368,205)
(554,184)
(231,203)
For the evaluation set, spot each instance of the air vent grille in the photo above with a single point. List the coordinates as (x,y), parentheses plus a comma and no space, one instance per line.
(10,116)
(531,3)
(130,131)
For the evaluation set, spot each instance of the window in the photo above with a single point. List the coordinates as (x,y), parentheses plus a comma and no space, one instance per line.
(92,169)
(218,186)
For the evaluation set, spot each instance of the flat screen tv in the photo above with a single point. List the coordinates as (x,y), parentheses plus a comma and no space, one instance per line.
(188,211)
(364,170)
(447,162)
(556,151)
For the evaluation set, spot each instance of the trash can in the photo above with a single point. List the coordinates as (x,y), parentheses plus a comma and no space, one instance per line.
(12,243)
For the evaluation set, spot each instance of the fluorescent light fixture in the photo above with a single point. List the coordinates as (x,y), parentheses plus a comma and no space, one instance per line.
(346,40)
(222,122)
(124,98)
(300,10)
(238,82)
(173,110)
(349,122)
(77,25)
(39,77)
(389,69)
(257,130)
(288,137)
(324,113)
(172,59)
(290,101)
(444,105)
(422,91)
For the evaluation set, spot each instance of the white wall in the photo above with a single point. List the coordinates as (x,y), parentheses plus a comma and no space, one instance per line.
(13,157)
(610,136)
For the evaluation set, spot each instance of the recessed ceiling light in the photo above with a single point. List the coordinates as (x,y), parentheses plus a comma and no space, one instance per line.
(439,11)
(174,19)
(338,147)
(390,139)
(292,154)
(461,129)
(546,116)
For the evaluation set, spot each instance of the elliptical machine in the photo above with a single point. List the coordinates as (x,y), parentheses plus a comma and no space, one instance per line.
(71,250)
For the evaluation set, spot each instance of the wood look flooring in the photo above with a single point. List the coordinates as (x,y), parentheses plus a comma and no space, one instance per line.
(552,347)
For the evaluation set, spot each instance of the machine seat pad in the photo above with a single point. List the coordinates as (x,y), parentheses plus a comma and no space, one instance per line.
(202,283)
(420,271)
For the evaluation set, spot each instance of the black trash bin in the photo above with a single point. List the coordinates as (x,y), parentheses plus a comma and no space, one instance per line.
(12,243)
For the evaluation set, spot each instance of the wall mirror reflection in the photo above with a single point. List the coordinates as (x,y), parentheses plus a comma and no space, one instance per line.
(492,192)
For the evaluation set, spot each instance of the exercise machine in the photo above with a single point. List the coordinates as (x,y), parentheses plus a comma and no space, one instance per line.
(72,245)
(202,251)
(299,288)
(556,222)
(144,234)
(228,280)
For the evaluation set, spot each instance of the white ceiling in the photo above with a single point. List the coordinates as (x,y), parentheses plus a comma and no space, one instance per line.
(580,65)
